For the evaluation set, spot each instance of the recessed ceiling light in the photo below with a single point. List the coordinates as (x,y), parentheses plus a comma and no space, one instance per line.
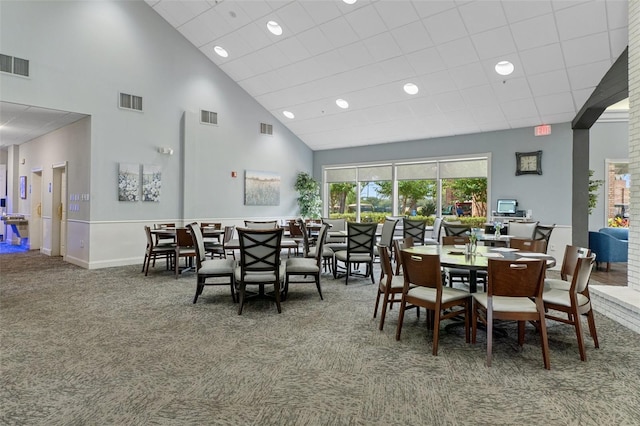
(288,114)
(411,88)
(342,103)
(349,1)
(221,51)
(504,67)
(274,27)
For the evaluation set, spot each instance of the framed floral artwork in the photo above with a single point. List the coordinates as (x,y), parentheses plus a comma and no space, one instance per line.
(151,182)
(129,182)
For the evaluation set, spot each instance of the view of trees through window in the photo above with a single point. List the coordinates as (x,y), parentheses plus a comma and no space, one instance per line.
(368,193)
(618,193)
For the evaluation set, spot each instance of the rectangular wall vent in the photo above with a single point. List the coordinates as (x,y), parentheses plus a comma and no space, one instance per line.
(208,117)
(130,102)
(266,129)
(14,65)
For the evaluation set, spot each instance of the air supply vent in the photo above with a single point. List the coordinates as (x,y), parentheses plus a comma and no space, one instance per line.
(130,102)
(208,117)
(14,65)
(266,129)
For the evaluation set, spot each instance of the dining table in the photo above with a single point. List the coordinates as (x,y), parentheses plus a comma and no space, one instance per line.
(207,232)
(455,256)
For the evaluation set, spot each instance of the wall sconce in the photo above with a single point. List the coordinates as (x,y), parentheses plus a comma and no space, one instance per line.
(165,150)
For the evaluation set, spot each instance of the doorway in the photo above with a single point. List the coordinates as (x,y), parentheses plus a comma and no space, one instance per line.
(59,211)
(35,219)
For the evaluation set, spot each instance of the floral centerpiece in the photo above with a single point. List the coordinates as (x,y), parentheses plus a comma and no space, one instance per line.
(497,226)
(473,238)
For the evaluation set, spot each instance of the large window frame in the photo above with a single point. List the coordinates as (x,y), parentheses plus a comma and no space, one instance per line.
(445,168)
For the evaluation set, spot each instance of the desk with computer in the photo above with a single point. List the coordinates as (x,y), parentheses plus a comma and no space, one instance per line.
(507,211)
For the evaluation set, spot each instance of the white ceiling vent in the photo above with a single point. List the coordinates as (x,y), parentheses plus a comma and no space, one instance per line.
(130,102)
(266,129)
(208,117)
(14,65)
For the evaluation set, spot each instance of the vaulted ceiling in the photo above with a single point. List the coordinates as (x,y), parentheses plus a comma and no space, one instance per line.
(366,52)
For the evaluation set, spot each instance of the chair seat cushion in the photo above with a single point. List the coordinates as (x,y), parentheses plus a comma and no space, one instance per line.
(326,252)
(302,265)
(259,277)
(561,297)
(397,282)
(343,256)
(217,266)
(429,294)
(336,246)
(557,284)
(507,304)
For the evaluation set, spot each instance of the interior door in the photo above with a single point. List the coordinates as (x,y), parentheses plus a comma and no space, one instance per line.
(35,220)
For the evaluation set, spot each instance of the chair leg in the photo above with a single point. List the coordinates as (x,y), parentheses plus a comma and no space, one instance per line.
(318,285)
(383,314)
(592,328)
(375,309)
(403,305)
(276,288)
(578,327)
(436,329)
(521,325)
(544,340)
(241,297)
(489,335)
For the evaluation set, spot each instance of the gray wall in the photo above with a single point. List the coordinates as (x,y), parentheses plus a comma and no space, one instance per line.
(84,53)
(548,195)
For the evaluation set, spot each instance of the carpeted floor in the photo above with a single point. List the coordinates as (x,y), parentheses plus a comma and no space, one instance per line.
(113,347)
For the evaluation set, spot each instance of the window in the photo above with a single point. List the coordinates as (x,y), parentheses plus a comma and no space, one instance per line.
(618,193)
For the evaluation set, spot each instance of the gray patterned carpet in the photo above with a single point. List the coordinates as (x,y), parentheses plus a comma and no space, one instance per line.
(114,347)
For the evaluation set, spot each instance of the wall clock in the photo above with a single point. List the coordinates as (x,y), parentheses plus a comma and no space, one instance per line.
(529,163)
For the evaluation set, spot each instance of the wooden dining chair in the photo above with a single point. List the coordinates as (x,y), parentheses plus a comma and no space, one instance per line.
(390,286)
(574,302)
(415,229)
(423,287)
(457,274)
(210,268)
(360,240)
(534,246)
(167,240)
(401,244)
(153,252)
(306,266)
(184,248)
(386,237)
(569,262)
(261,224)
(514,293)
(455,229)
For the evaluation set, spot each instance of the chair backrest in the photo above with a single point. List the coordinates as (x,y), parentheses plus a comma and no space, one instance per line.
(228,234)
(361,237)
(519,278)
(535,246)
(524,230)
(260,250)
(295,229)
(256,224)
(437,227)
(398,246)
(214,225)
(183,238)
(582,273)
(335,225)
(164,225)
(386,271)
(450,240)
(388,229)
(422,270)
(147,231)
(198,242)
(570,260)
(305,236)
(543,232)
(322,235)
(455,229)
(414,229)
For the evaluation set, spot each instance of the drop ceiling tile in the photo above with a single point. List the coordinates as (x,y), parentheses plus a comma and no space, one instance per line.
(426,61)
(295,17)
(256,85)
(331,62)
(525,9)
(235,15)
(382,46)
(387,112)
(205,27)
(423,106)
(469,75)
(438,82)
(581,96)
(566,117)
(238,69)
(512,89)
(519,109)
(339,32)
(479,96)
(617,12)
(494,43)
(397,68)
(548,83)
(272,57)
(445,26)
(356,55)
(584,50)
(458,52)
(293,48)
(314,41)
(581,20)
(179,12)
(234,45)
(255,9)
(557,103)
(525,122)
(482,16)
(560,4)
(366,22)
(320,11)
(619,39)
(587,76)
(412,37)
(254,35)
(489,114)
(451,101)
(542,59)
(430,8)
(535,32)
(396,13)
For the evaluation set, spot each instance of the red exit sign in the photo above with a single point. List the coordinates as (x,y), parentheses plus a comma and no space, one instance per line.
(543,130)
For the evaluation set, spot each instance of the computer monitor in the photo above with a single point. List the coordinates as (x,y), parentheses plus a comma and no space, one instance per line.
(507,206)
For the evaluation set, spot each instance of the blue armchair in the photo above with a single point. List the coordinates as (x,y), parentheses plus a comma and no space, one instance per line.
(610,245)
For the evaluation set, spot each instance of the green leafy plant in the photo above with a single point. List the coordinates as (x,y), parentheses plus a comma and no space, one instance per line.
(594,185)
(309,200)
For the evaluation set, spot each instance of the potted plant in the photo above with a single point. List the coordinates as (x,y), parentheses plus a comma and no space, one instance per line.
(594,186)
(308,196)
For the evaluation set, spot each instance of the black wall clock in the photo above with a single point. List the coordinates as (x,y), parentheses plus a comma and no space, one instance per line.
(529,163)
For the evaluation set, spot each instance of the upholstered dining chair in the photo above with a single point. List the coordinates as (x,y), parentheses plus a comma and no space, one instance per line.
(534,246)
(166,240)
(574,302)
(386,237)
(390,286)
(261,224)
(296,232)
(360,240)
(306,266)
(153,252)
(569,262)
(260,263)
(455,229)
(543,232)
(399,245)
(514,293)
(210,268)
(415,229)
(310,251)
(524,230)
(184,248)
(434,237)
(220,250)
(423,287)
